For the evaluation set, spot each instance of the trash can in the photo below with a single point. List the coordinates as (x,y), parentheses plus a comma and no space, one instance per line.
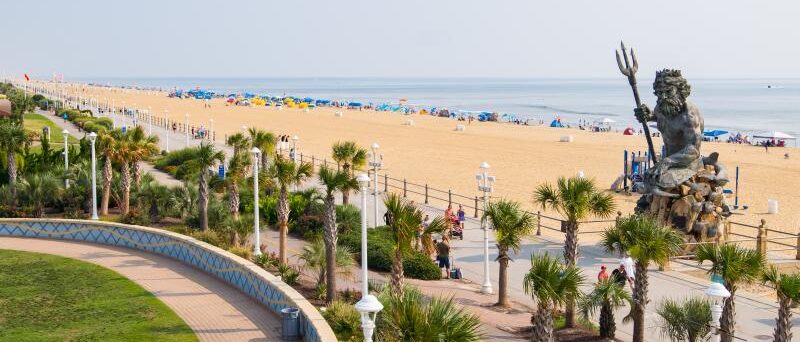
(290,327)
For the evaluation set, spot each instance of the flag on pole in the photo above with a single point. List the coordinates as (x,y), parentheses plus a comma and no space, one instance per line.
(27,78)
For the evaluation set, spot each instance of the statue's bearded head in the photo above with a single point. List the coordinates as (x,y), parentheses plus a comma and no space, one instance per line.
(672,90)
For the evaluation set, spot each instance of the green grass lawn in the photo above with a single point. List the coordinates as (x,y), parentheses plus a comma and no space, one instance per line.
(35,122)
(51,298)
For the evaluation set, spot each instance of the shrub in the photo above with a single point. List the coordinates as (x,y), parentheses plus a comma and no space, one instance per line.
(348,217)
(135,217)
(175,162)
(288,274)
(420,266)
(242,251)
(344,320)
(208,237)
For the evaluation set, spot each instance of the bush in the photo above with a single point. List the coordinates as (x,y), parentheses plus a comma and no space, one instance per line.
(135,217)
(348,217)
(288,274)
(208,237)
(175,162)
(420,266)
(242,251)
(344,320)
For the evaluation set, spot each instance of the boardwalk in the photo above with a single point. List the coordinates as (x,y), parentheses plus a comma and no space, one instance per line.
(214,310)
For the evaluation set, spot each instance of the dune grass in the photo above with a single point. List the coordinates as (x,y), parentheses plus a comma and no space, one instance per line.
(51,298)
(35,122)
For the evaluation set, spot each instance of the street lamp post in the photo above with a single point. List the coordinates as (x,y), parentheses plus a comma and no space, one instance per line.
(186,129)
(166,135)
(66,158)
(718,294)
(376,163)
(257,231)
(92,139)
(150,120)
(485,183)
(211,129)
(293,154)
(368,306)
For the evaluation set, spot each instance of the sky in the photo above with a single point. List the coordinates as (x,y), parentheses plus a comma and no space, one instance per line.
(390,38)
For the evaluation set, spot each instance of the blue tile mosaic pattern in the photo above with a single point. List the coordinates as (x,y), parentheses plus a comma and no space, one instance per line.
(189,252)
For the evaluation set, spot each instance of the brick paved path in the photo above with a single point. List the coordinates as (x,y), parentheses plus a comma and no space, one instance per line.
(213,309)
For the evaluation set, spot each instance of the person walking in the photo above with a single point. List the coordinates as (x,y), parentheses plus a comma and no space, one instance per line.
(603,275)
(462,216)
(443,257)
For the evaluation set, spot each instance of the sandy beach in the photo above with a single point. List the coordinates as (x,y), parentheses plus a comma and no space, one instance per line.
(433,152)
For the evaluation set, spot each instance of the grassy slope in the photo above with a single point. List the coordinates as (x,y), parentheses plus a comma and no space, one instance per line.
(35,122)
(50,298)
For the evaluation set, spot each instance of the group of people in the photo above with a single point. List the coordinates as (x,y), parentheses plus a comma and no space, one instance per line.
(624,273)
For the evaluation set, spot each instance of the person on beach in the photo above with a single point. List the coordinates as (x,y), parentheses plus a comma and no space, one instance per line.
(462,216)
(603,275)
(174,127)
(443,257)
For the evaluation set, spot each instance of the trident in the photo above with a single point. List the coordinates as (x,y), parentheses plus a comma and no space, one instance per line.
(630,72)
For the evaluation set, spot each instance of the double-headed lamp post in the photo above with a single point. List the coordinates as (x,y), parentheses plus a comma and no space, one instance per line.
(66,158)
(485,183)
(718,294)
(256,157)
(368,306)
(92,139)
(376,163)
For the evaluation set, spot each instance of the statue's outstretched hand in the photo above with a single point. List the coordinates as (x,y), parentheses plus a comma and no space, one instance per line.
(643,113)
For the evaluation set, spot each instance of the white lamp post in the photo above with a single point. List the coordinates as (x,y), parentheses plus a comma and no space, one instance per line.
(293,155)
(210,128)
(166,135)
(186,129)
(485,183)
(376,163)
(256,157)
(368,306)
(92,139)
(718,294)
(150,120)
(66,158)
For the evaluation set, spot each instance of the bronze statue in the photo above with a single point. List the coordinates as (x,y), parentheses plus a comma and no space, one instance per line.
(683,189)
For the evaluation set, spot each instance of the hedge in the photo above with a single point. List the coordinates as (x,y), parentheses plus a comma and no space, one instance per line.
(380,251)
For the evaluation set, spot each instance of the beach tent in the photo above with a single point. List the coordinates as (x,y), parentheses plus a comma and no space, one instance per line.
(607,121)
(715,133)
(628,131)
(556,123)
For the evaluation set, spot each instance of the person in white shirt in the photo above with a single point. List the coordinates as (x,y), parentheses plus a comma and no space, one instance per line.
(630,268)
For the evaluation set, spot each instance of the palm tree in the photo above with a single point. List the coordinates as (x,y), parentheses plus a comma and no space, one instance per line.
(737,266)
(122,152)
(207,155)
(406,220)
(410,317)
(286,172)
(333,181)
(38,190)
(237,171)
(313,257)
(12,141)
(21,104)
(646,242)
(436,226)
(511,225)
(106,142)
(239,143)
(266,142)
(550,284)
(687,321)
(576,199)
(607,295)
(349,156)
(185,199)
(142,147)
(155,196)
(787,287)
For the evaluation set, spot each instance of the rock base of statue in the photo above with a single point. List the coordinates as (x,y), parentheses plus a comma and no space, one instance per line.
(696,207)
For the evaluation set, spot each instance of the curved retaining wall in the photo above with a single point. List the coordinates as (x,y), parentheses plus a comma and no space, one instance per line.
(236,271)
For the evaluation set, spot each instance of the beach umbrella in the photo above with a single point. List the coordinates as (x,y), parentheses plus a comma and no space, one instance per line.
(714,133)
(608,121)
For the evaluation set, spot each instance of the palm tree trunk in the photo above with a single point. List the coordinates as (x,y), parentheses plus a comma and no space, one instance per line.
(571,258)
(203,200)
(542,325)
(233,200)
(107,174)
(502,283)
(283,222)
(330,247)
(728,321)
(137,173)
(783,324)
(126,188)
(639,302)
(346,192)
(397,272)
(12,172)
(607,325)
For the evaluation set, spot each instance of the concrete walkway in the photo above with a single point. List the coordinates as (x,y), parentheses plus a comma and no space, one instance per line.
(214,310)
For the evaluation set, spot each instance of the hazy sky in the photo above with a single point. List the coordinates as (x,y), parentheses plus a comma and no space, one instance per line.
(408,38)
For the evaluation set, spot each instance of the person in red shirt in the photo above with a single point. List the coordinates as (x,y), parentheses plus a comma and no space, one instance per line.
(603,275)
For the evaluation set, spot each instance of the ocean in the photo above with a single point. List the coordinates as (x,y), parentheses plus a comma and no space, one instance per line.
(736,105)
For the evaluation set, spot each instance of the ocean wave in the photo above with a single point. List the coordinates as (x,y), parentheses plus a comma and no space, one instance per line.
(568,111)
